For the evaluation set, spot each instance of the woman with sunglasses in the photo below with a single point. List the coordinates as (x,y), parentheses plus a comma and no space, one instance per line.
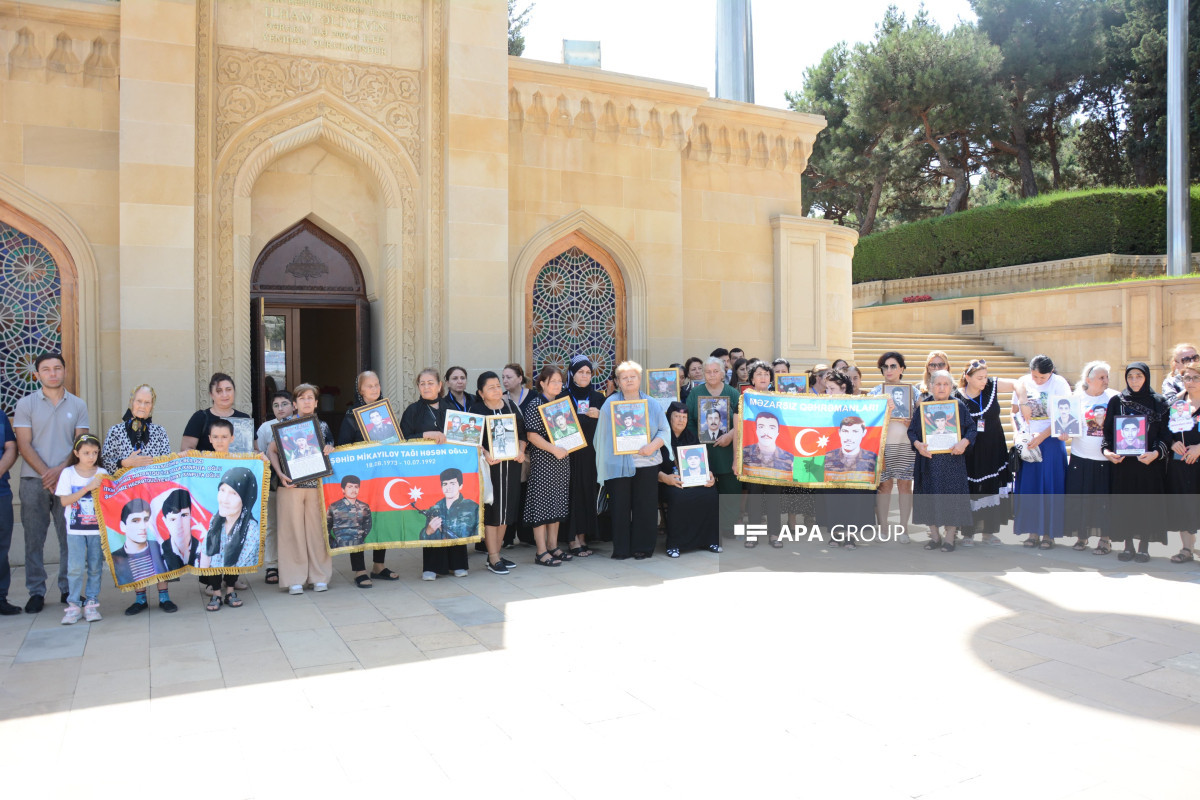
(1182,355)
(935,361)
(898,454)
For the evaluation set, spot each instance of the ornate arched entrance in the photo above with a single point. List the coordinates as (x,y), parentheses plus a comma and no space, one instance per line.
(309,316)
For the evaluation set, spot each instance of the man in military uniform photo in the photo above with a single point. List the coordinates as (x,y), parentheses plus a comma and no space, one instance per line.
(454,516)
(849,462)
(349,519)
(764,452)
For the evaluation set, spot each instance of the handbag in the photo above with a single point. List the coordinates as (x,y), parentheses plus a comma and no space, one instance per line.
(485,478)
(603,499)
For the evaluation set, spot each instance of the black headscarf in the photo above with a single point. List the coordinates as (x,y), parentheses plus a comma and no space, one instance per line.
(1140,402)
(138,430)
(579,392)
(242,481)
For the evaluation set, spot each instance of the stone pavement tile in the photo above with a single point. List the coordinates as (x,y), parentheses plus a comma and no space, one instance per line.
(299,615)
(426,623)
(183,664)
(256,667)
(1003,657)
(1040,687)
(444,586)
(1103,660)
(428,642)
(118,686)
(500,591)
(454,652)
(586,579)
(1188,662)
(328,669)
(1121,694)
(557,589)
(400,604)
(173,691)
(166,631)
(366,630)
(468,610)
(66,641)
(1189,715)
(1087,633)
(1153,652)
(490,636)
(601,703)
(243,643)
(385,651)
(360,613)
(116,651)
(314,648)
(1172,681)
(1155,630)
(12,634)
(998,631)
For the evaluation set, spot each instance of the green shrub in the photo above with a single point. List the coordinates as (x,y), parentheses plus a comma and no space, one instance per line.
(1044,228)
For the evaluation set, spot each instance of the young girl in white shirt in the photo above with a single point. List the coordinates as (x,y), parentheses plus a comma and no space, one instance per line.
(75,485)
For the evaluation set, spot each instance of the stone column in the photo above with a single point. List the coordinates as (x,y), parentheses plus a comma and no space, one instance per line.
(813,289)
(477,268)
(156,164)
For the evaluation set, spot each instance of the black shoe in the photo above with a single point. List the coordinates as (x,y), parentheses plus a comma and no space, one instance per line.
(62,598)
(7,609)
(36,603)
(498,567)
(1126,555)
(136,609)
(166,605)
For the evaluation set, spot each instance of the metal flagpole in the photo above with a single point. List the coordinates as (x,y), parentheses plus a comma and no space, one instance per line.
(1179,238)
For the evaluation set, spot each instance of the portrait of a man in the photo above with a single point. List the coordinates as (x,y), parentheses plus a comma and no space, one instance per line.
(348,520)
(380,427)
(849,461)
(140,557)
(713,419)
(454,516)
(766,452)
(1130,439)
(181,548)
(1064,420)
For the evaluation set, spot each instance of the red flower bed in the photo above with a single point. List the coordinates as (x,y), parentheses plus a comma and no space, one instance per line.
(918,298)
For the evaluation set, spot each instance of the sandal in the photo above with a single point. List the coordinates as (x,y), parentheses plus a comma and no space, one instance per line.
(948,547)
(362,581)
(1126,555)
(777,543)
(1047,544)
(1180,558)
(752,542)
(233,601)
(560,555)
(1103,549)
(580,552)
(548,560)
(385,574)
(272,576)
(1141,558)
(1080,544)
(214,603)
(1032,541)
(933,544)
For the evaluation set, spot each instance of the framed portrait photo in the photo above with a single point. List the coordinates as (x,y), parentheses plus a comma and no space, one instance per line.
(714,418)
(940,426)
(791,382)
(693,464)
(1179,417)
(562,425)
(502,436)
(377,423)
(630,425)
(1066,416)
(1130,436)
(663,384)
(301,448)
(463,428)
(901,396)
(243,435)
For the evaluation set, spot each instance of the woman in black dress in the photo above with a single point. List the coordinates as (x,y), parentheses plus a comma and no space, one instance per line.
(692,511)
(367,391)
(1183,470)
(425,419)
(988,474)
(1136,476)
(505,507)
(548,493)
(941,492)
(581,524)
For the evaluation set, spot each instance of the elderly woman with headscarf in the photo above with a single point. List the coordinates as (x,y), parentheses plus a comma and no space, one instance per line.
(691,511)
(1183,470)
(1136,476)
(136,442)
(581,522)
(941,492)
(720,451)
(367,391)
(632,480)
(233,536)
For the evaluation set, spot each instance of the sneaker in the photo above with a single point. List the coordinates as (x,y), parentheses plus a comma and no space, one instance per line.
(716,548)
(500,568)
(72,615)
(672,552)
(320,587)
(168,606)
(91,612)
(428,576)
(967,541)
(508,564)
(903,538)
(297,589)
(136,609)
(460,573)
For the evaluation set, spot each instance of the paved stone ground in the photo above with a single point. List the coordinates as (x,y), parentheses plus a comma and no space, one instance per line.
(887,672)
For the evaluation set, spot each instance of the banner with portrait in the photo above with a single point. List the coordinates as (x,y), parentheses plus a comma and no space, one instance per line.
(814,441)
(204,514)
(413,494)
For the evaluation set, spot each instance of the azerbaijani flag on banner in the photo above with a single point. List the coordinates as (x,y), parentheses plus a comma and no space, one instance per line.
(830,441)
(402,484)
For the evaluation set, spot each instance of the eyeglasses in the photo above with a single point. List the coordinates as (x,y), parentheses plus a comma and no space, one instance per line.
(937,365)
(1192,359)
(1190,378)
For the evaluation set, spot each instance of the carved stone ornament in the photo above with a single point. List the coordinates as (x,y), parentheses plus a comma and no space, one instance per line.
(307,266)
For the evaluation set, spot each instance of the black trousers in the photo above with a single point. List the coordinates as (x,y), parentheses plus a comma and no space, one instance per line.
(634,506)
(765,503)
(215,581)
(358,561)
(443,560)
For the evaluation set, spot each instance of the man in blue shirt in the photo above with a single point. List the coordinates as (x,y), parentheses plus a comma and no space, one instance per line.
(8,456)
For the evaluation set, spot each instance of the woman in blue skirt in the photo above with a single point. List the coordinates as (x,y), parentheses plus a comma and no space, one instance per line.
(1041,482)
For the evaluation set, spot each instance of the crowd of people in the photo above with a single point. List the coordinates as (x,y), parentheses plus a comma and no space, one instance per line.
(567,505)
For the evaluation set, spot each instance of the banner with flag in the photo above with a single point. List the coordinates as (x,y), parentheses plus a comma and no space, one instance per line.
(200,513)
(412,494)
(833,441)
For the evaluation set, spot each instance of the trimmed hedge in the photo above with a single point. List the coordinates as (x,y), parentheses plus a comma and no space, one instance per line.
(1043,228)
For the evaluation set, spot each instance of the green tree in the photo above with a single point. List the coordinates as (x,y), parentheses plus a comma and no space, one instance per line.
(516,26)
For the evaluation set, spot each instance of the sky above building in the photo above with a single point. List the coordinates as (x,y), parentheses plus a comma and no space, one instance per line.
(674,40)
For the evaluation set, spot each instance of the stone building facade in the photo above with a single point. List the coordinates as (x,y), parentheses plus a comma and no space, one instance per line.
(297,189)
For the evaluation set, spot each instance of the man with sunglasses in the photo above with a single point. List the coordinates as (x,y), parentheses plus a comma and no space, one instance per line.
(1182,355)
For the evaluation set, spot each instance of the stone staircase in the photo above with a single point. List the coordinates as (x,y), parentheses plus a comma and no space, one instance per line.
(868,346)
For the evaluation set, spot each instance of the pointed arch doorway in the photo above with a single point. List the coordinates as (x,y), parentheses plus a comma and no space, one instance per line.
(310,319)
